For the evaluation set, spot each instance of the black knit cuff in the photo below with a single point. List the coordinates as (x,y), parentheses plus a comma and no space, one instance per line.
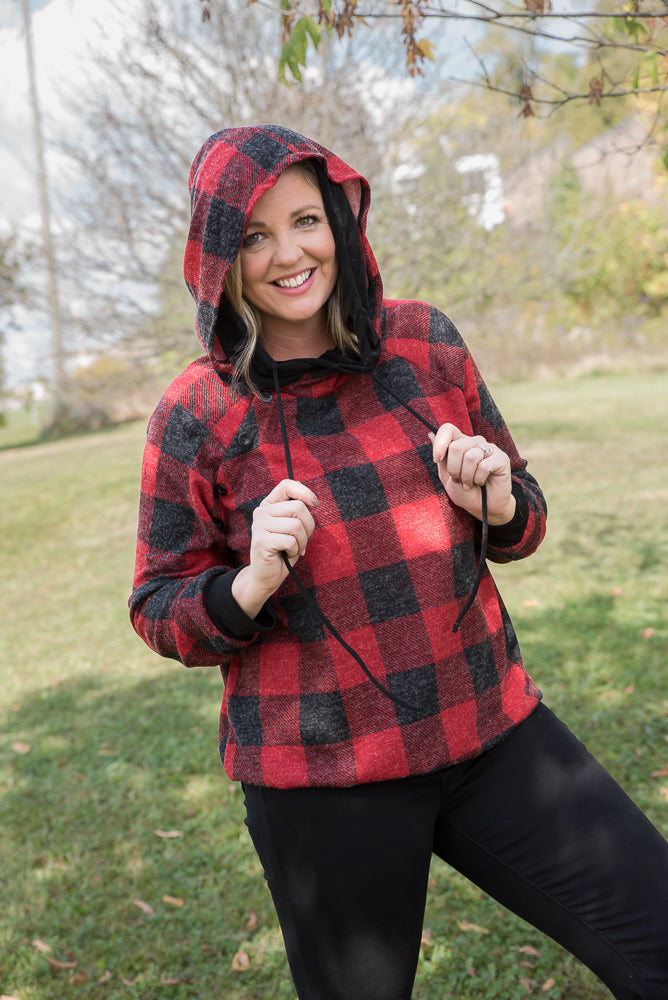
(228,616)
(504,535)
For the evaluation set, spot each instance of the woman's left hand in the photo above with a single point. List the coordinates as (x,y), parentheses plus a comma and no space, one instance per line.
(467,463)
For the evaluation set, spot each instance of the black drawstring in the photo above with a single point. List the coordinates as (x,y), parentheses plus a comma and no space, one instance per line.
(483,498)
(308,596)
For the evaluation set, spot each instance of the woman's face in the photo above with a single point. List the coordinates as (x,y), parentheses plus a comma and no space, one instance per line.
(288,258)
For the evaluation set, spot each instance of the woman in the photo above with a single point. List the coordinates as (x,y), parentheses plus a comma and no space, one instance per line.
(320,494)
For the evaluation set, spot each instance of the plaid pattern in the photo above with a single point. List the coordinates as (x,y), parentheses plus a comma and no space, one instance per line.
(391,562)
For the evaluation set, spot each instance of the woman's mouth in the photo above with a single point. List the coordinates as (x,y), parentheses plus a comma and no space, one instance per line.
(295,281)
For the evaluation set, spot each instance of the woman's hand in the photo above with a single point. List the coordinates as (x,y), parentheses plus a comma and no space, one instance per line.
(281,523)
(467,463)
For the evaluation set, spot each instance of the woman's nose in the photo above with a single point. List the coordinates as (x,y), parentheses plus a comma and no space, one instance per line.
(287,248)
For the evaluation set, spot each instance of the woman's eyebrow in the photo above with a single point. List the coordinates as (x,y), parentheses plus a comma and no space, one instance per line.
(293,215)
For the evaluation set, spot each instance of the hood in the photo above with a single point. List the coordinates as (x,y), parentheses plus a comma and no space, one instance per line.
(232,170)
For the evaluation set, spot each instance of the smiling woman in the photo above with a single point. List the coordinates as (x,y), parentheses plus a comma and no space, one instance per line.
(288,266)
(301,529)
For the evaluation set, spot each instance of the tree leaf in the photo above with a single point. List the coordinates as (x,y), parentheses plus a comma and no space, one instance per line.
(240,962)
(465,925)
(172,900)
(144,907)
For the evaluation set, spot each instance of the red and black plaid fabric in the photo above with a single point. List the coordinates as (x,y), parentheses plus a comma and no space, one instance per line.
(391,561)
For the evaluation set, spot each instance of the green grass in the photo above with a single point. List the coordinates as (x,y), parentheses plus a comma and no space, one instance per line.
(102,744)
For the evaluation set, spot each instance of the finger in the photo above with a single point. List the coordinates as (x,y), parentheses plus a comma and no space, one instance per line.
(268,513)
(477,464)
(291,489)
(284,526)
(441,441)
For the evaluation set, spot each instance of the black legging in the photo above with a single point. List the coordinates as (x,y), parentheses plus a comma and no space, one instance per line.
(536,822)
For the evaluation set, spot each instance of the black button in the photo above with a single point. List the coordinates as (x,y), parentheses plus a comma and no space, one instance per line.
(244,440)
(220,490)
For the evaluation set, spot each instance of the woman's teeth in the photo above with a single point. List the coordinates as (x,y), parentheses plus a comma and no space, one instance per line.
(294,282)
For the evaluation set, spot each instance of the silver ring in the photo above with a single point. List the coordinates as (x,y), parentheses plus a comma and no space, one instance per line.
(485,449)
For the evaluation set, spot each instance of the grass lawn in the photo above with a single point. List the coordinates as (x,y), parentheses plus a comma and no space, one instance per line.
(125,867)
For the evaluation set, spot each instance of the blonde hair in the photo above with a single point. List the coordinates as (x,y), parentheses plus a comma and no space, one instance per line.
(344,339)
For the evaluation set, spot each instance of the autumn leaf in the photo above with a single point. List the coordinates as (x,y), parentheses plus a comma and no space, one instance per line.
(168,834)
(661,773)
(648,633)
(105,977)
(167,981)
(526,949)
(595,90)
(464,925)
(42,946)
(172,900)
(548,984)
(251,923)
(664,791)
(240,962)
(19,747)
(55,964)
(144,907)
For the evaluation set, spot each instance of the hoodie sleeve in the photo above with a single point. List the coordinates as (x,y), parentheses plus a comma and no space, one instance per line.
(182,564)
(522,536)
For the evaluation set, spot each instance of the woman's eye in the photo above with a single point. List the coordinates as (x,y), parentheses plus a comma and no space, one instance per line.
(307,220)
(252,239)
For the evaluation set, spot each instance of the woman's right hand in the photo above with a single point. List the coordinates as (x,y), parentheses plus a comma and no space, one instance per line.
(281,523)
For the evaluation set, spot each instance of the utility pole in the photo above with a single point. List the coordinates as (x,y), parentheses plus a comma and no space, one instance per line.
(59,373)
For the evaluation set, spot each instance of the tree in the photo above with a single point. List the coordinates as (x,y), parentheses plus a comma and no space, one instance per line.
(598,34)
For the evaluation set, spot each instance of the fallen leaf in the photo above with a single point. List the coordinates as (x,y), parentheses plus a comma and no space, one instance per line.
(55,964)
(648,633)
(172,900)
(105,977)
(168,834)
(526,949)
(166,981)
(531,603)
(19,747)
(126,982)
(464,925)
(616,591)
(548,984)
(78,977)
(42,946)
(629,690)
(6,996)
(664,791)
(144,907)
(251,923)
(661,773)
(240,962)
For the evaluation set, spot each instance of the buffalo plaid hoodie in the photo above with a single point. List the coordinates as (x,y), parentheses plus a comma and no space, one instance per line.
(355,670)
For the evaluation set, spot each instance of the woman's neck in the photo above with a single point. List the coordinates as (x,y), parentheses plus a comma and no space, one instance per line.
(286,341)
